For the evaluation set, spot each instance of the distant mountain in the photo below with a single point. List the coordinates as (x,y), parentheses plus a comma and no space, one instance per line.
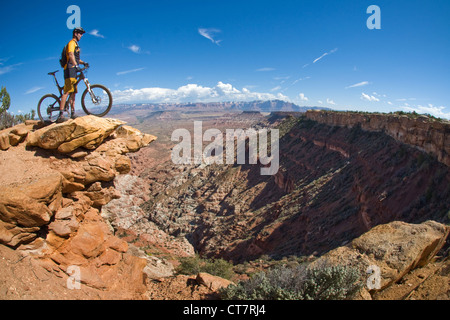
(261,106)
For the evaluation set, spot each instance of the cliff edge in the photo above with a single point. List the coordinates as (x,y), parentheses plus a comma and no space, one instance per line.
(425,133)
(54,181)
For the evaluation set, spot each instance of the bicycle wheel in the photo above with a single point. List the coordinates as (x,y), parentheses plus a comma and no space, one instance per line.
(98,102)
(48,108)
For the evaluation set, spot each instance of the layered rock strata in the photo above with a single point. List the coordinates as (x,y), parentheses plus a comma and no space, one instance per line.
(423,132)
(50,208)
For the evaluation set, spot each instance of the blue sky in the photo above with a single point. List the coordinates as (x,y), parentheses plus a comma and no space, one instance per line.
(313,53)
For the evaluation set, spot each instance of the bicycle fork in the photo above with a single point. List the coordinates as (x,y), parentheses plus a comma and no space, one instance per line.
(88,86)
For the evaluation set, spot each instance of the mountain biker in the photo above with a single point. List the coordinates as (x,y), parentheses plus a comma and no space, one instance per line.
(70,72)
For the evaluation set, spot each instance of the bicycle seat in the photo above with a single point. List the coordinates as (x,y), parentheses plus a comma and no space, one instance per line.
(52,73)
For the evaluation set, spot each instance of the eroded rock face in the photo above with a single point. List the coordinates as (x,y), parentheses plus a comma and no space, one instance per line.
(395,248)
(53,213)
(421,132)
(24,209)
(17,134)
(87,132)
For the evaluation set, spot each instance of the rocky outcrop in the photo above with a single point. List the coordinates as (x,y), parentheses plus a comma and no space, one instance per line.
(425,133)
(87,132)
(213,283)
(17,134)
(52,212)
(390,251)
(25,209)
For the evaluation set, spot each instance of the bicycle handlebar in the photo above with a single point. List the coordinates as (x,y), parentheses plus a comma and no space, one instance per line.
(84,68)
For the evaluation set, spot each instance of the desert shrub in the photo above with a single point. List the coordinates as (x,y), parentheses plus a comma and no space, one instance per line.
(323,282)
(189,265)
(216,267)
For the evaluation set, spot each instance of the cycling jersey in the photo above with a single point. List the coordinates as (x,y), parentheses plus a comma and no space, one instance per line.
(70,74)
(73,47)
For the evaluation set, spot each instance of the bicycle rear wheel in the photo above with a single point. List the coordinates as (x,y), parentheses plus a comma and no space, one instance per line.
(48,108)
(98,102)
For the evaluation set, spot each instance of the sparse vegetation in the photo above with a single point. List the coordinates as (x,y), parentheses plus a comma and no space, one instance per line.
(7,119)
(196,264)
(322,282)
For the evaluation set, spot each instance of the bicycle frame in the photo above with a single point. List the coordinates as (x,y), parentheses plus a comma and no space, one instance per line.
(81,76)
(97,103)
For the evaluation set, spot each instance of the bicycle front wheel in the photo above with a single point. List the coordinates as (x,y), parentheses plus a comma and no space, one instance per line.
(96,101)
(48,108)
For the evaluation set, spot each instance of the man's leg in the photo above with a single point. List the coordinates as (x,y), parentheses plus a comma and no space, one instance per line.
(63,101)
(61,107)
(72,102)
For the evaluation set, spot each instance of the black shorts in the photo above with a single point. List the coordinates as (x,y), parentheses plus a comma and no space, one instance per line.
(70,80)
(70,73)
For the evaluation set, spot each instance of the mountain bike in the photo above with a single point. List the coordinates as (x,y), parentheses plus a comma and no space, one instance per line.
(96,99)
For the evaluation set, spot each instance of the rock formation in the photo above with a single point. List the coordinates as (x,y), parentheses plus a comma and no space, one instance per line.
(391,250)
(70,204)
(423,132)
(49,209)
(334,184)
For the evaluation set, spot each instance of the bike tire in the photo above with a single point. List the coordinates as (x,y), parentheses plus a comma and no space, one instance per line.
(46,115)
(96,109)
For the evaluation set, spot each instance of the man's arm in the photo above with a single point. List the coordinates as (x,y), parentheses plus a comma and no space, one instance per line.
(72,59)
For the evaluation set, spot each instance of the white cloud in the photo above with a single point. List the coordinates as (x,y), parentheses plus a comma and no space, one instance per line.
(325,54)
(129,71)
(329,101)
(301,79)
(10,68)
(369,97)
(265,69)
(359,84)
(430,109)
(281,78)
(193,93)
(135,48)
(33,90)
(209,33)
(302,97)
(275,89)
(96,33)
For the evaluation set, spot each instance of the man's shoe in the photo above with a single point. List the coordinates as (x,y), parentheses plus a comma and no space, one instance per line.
(60,119)
(73,116)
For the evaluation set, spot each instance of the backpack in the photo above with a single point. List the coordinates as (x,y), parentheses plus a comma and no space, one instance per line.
(63,60)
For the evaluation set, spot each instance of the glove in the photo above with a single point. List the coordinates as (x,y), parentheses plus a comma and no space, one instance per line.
(86,65)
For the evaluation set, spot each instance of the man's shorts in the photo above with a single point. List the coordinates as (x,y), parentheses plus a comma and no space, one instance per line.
(70,85)
(70,80)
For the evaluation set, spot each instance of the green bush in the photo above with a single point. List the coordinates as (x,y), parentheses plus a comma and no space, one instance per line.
(216,267)
(322,282)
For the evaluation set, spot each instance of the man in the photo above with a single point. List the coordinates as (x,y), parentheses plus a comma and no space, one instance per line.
(70,72)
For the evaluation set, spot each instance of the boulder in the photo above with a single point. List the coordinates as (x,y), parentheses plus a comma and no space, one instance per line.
(87,132)
(15,135)
(395,249)
(27,207)
(213,283)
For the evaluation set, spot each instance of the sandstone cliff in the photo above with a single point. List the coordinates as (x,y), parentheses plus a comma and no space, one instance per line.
(425,133)
(53,183)
(334,184)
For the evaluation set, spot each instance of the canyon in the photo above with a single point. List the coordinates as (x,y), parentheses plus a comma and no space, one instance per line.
(335,182)
(104,195)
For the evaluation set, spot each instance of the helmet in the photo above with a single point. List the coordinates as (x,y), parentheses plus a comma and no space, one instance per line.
(79,30)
